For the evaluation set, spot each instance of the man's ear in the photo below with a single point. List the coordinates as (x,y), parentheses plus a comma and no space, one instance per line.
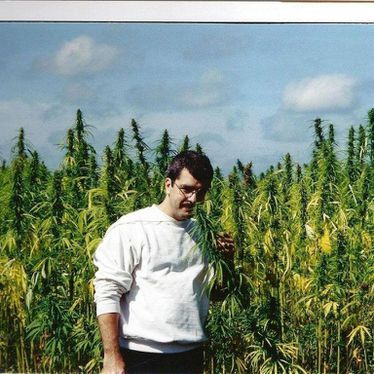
(168,185)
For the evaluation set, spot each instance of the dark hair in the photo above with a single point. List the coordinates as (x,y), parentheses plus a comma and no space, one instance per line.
(196,163)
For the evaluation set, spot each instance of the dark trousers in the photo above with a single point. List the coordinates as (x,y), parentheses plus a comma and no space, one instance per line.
(190,362)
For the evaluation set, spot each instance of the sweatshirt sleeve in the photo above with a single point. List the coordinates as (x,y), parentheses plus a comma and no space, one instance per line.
(115,258)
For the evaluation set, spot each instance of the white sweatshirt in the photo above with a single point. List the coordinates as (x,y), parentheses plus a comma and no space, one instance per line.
(151,271)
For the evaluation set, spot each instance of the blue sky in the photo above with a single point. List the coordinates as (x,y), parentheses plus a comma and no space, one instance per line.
(247,91)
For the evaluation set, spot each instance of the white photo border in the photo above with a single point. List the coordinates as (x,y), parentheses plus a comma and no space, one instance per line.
(187,11)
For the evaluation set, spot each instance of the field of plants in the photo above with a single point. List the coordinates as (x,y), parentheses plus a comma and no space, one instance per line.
(299,293)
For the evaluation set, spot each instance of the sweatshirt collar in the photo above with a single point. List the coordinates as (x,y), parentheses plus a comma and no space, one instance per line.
(166,217)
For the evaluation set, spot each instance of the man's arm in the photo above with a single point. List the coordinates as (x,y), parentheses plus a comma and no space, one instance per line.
(113,361)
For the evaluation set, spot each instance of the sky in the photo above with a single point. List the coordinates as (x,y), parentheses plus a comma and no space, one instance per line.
(242,91)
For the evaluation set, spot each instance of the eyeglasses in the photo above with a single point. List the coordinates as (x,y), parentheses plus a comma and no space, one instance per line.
(189,192)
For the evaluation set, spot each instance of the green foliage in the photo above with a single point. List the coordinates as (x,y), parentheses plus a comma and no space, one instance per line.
(297,297)
(185,144)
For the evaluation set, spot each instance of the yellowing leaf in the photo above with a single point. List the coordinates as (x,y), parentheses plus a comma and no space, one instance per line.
(268,238)
(331,305)
(362,330)
(325,242)
(310,232)
(367,241)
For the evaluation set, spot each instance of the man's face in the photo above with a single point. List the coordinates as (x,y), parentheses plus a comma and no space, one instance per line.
(183,194)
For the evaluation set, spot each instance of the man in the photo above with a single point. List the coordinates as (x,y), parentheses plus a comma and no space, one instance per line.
(150,287)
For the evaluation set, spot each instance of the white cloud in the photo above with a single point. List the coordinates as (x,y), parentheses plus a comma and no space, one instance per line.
(325,92)
(83,55)
(210,90)
(212,77)
(287,126)
(78,92)
(237,120)
(201,97)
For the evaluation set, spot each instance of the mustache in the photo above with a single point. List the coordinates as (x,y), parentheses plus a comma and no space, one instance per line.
(188,205)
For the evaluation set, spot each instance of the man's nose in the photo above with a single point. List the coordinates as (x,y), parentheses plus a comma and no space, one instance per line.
(192,198)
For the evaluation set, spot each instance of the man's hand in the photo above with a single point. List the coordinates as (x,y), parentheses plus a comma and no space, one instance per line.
(113,364)
(225,245)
